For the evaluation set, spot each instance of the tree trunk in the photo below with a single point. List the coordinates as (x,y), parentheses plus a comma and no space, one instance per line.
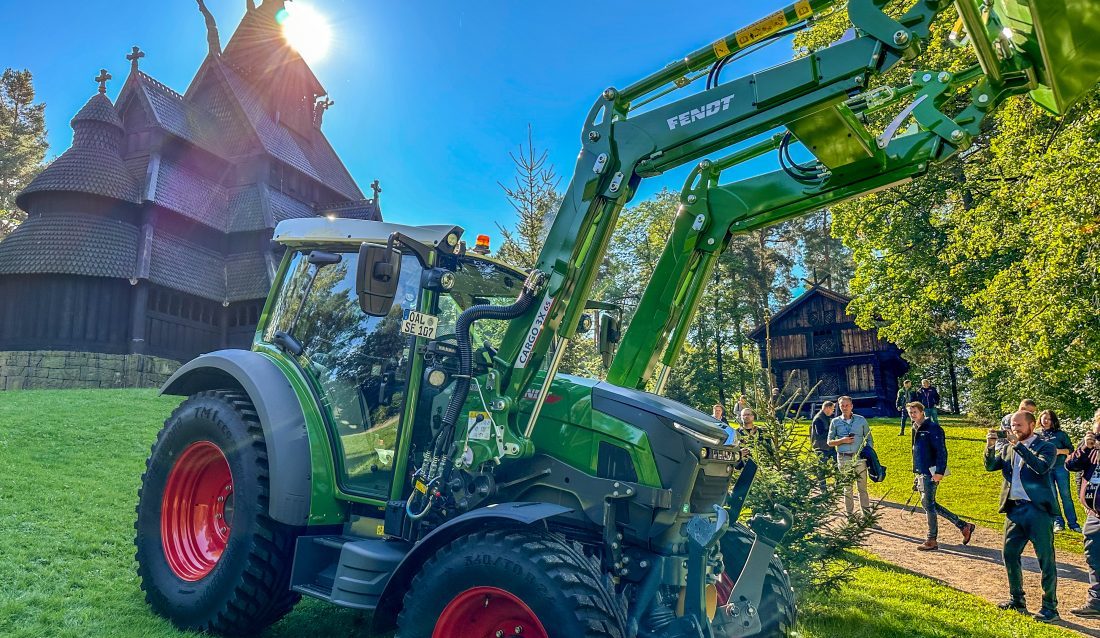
(954,377)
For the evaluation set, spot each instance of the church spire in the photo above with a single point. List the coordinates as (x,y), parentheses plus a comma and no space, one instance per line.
(212,38)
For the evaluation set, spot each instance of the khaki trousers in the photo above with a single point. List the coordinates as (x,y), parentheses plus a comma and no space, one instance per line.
(844,461)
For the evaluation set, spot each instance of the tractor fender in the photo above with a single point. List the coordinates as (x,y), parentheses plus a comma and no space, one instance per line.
(496,515)
(280,414)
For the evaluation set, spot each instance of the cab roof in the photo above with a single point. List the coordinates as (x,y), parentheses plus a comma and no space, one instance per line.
(311,231)
(314,231)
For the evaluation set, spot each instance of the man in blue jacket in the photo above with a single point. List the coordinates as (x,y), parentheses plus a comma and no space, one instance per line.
(929,397)
(930,465)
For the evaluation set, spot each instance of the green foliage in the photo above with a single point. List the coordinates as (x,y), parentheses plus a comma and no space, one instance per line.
(22,142)
(533,195)
(988,267)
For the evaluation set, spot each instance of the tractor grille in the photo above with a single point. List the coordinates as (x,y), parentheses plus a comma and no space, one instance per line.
(708,491)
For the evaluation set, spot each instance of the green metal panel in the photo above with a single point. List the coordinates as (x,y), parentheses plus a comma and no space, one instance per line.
(571,431)
(835,137)
(1063,38)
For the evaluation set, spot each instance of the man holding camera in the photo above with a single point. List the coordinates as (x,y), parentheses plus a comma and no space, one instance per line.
(1027,500)
(1086,460)
(930,465)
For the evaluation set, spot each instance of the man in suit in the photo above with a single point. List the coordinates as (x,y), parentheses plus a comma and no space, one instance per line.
(1027,500)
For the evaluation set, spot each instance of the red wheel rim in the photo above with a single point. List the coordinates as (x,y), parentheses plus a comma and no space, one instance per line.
(197,510)
(487,612)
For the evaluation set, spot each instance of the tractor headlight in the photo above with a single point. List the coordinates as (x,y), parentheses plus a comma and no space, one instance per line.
(696,435)
(436,377)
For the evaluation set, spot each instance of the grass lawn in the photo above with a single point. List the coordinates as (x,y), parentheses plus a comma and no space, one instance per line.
(71,463)
(969,490)
(884,600)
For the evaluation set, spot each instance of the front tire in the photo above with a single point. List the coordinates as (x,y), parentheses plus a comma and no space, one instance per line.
(777,604)
(209,557)
(499,581)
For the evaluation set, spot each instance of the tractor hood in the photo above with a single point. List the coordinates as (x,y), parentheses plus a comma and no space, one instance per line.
(610,398)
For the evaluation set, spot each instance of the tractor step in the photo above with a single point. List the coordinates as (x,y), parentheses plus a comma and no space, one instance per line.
(348,571)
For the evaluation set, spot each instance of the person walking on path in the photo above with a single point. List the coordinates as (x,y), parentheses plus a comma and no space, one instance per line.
(1086,460)
(906,395)
(930,466)
(819,439)
(1027,501)
(1052,431)
(929,397)
(848,433)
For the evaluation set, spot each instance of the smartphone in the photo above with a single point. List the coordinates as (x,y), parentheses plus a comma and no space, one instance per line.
(1001,434)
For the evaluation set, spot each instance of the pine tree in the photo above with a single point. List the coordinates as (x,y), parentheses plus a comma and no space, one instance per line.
(535,198)
(22,142)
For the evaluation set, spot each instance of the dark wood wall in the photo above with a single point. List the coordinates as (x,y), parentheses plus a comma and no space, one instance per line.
(64,312)
(93,314)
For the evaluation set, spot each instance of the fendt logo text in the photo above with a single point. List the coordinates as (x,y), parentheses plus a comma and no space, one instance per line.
(703,112)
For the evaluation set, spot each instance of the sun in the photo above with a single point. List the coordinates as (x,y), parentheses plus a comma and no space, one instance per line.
(305,29)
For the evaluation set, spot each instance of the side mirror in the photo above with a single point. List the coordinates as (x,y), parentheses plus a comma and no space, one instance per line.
(608,336)
(376,278)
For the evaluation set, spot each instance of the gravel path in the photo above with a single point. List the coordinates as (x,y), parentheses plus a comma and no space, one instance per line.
(976,568)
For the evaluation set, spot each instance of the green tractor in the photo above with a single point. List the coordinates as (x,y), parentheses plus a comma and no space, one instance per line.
(398,439)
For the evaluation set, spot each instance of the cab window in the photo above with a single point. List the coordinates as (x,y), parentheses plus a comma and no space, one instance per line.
(359,363)
(479,282)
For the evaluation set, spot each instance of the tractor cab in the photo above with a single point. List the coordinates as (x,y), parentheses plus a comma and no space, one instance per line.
(380,372)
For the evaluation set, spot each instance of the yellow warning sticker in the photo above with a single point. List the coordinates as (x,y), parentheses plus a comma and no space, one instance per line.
(721,49)
(761,29)
(380,530)
(421,487)
(802,9)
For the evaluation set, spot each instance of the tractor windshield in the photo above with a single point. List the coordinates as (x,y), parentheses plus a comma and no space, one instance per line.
(479,281)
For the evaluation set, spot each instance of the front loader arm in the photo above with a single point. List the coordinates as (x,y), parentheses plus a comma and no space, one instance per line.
(619,149)
(711,213)
(819,98)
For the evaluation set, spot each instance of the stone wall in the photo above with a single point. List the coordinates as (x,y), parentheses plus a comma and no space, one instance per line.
(53,369)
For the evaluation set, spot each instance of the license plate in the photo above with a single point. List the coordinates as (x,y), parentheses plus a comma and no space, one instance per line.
(419,324)
(724,455)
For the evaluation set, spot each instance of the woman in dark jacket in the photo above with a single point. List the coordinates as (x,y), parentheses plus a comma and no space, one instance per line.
(1052,431)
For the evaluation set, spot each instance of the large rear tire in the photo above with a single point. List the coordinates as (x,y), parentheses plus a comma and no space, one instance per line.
(496,581)
(777,605)
(209,557)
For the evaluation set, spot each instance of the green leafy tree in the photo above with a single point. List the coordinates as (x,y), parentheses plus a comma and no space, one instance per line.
(22,142)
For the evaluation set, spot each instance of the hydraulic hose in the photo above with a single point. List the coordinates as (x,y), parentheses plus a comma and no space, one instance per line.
(466,355)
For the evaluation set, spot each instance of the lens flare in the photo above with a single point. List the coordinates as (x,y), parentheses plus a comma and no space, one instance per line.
(306,30)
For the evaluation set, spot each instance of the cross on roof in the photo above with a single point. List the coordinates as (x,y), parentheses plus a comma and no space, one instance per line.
(102,79)
(134,56)
(815,282)
(377,188)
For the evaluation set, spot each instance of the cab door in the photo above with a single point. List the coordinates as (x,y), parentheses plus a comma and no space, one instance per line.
(359,365)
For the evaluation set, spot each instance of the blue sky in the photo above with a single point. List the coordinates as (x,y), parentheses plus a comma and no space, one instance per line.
(430,95)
